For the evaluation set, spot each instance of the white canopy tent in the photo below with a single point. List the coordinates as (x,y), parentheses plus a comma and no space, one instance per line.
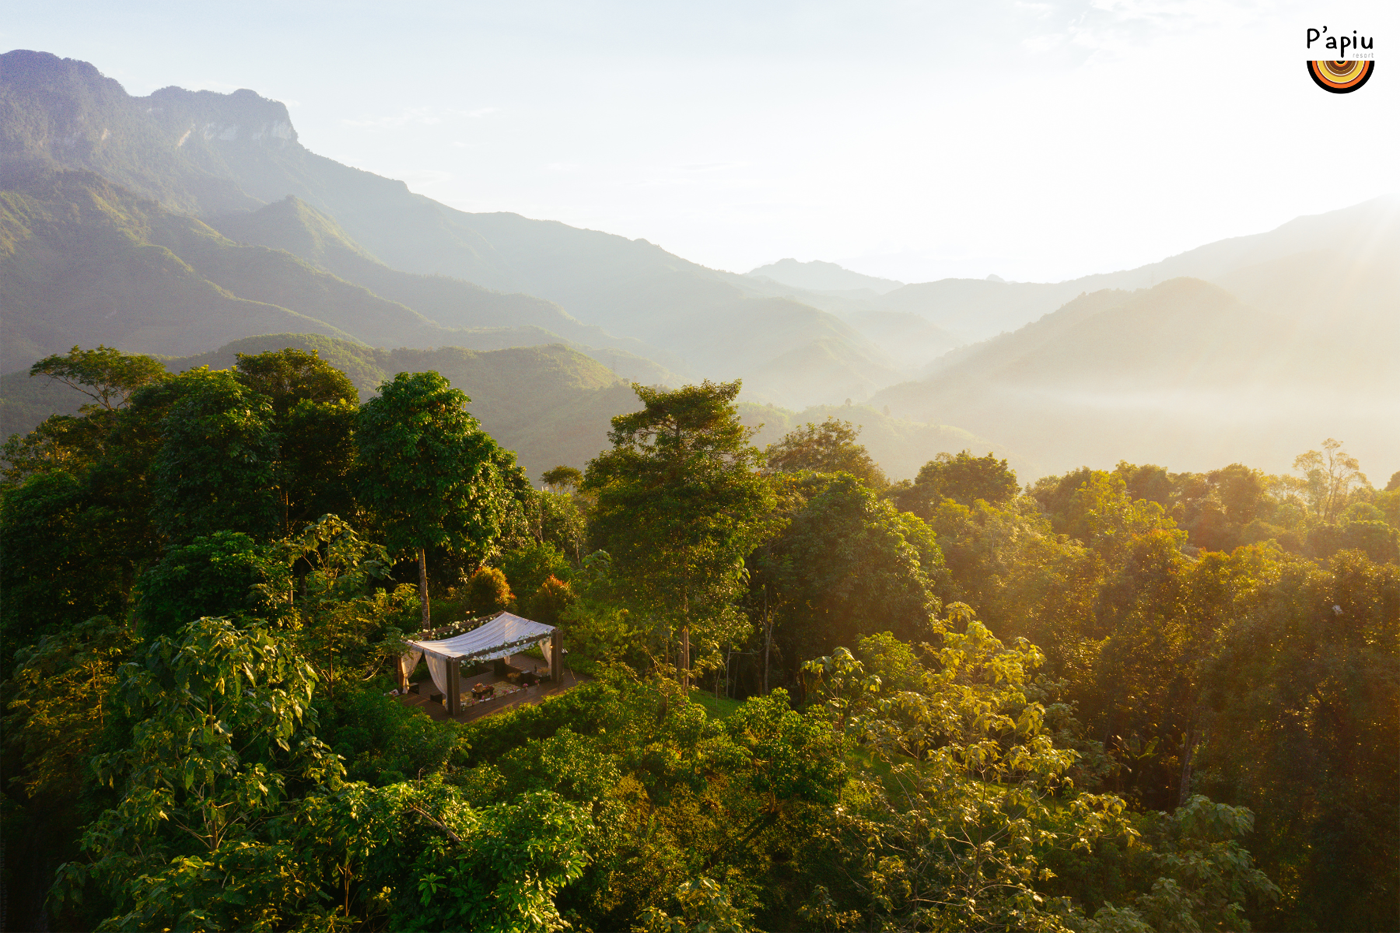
(499,638)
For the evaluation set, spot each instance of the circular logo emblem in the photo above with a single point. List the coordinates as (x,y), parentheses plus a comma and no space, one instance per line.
(1341,77)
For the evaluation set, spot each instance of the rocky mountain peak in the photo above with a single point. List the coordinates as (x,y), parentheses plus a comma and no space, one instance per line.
(241,117)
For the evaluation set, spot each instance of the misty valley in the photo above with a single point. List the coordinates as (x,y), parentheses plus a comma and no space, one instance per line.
(968,604)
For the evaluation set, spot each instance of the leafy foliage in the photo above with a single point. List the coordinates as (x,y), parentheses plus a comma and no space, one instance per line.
(221,734)
(679,507)
(826,448)
(432,477)
(225,574)
(107,376)
(845,563)
(216,467)
(218,751)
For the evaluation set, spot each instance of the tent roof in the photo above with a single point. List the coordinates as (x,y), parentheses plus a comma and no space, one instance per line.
(498,638)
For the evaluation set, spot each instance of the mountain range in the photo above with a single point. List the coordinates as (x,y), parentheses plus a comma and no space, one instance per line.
(183,221)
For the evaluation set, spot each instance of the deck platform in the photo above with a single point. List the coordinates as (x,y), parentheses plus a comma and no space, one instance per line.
(425,697)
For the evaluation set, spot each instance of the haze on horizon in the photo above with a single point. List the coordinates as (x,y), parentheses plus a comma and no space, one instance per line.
(1033,140)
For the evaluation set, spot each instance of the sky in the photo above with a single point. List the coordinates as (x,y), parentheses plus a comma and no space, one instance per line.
(1038,141)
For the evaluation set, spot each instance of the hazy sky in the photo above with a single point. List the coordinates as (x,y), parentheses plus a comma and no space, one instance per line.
(1035,140)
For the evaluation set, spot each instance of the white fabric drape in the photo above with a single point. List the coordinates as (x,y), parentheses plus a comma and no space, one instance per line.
(409,661)
(498,638)
(437,667)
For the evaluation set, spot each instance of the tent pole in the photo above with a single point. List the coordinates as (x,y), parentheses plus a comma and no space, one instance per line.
(556,669)
(454,686)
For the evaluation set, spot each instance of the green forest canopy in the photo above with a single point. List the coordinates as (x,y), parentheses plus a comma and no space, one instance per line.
(1117,700)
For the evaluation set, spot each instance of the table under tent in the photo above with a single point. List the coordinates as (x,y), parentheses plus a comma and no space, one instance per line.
(493,640)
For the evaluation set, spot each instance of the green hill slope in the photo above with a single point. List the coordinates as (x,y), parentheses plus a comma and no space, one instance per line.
(77,263)
(1183,374)
(298,228)
(83,260)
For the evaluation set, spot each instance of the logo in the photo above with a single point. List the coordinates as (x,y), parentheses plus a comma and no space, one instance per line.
(1341,77)
(1351,64)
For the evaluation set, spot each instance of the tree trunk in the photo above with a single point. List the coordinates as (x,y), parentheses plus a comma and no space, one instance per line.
(423,587)
(767,639)
(1188,752)
(685,658)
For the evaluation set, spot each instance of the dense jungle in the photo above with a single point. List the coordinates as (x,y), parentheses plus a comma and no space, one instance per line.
(1109,700)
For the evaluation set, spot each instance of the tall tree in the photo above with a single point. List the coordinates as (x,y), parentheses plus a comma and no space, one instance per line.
(965,478)
(107,376)
(432,476)
(845,564)
(829,447)
(216,467)
(1330,474)
(314,407)
(1303,694)
(680,504)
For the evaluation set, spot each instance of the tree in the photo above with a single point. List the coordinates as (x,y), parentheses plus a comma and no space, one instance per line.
(826,448)
(556,520)
(57,705)
(1101,515)
(55,566)
(60,444)
(1304,697)
(978,824)
(314,408)
(429,472)
(1147,481)
(224,574)
(562,478)
(680,504)
(218,730)
(1329,476)
(216,468)
(488,591)
(107,376)
(965,478)
(343,622)
(528,567)
(845,564)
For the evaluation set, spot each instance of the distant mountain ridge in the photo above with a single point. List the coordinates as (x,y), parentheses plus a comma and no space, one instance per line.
(216,155)
(975,309)
(298,228)
(85,260)
(1184,374)
(184,220)
(823,276)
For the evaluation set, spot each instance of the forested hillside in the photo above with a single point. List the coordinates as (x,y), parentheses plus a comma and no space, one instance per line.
(1117,700)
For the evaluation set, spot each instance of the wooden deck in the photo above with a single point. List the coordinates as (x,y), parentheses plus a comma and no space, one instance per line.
(421,694)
